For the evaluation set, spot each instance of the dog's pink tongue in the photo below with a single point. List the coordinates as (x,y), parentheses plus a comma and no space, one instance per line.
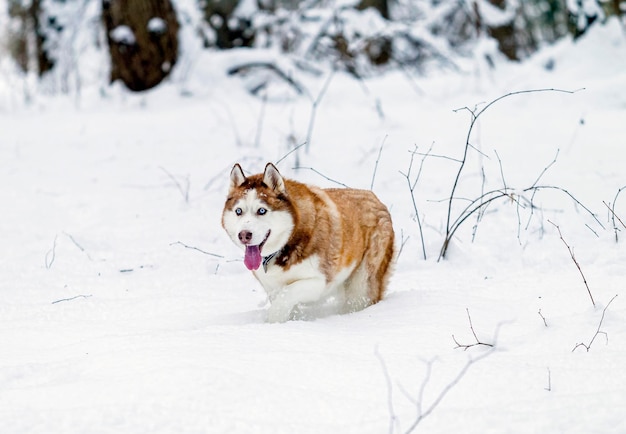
(252,259)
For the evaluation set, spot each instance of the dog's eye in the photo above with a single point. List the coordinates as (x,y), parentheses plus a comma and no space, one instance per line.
(238,211)
(261,211)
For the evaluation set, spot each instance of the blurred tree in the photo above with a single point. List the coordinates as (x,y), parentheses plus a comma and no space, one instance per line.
(143,40)
(230,29)
(27,36)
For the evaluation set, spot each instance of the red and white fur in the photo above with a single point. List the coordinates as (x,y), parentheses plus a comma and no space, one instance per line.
(306,244)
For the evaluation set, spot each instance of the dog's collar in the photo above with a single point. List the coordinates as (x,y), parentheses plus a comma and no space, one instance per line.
(267,259)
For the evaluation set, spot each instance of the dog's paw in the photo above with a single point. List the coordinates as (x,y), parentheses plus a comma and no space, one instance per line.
(278,313)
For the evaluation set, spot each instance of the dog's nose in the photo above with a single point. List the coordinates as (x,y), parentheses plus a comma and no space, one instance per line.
(245,237)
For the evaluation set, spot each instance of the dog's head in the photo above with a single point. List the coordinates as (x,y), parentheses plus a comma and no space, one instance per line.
(258,215)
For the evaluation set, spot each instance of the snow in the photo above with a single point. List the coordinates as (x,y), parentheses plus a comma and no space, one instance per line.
(112,320)
(157,25)
(124,35)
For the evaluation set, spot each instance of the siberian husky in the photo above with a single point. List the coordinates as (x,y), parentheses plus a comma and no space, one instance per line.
(306,244)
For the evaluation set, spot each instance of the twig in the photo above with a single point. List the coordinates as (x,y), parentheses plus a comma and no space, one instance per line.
(615,216)
(571,252)
(475,114)
(183,191)
(532,198)
(392,414)
(51,254)
(314,106)
(403,241)
(545,323)
(71,298)
(422,415)
(467,346)
(197,249)
(412,186)
(549,388)
(289,153)
(272,67)
(81,248)
(598,331)
(380,151)
(321,174)
(259,129)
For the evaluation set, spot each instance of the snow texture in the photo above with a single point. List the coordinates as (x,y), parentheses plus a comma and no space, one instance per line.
(157,25)
(125,308)
(123,35)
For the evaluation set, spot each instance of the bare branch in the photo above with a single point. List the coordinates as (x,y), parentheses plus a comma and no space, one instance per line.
(314,106)
(321,174)
(598,331)
(422,415)
(270,66)
(468,346)
(545,323)
(289,153)
(613,215)
(71,298)
(184,191)
(392,414)
(197,249)
(380,151)
(412,186)
(571,252)
(475,114)
(51,254)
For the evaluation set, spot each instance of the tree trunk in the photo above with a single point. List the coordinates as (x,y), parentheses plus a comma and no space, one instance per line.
(27,38)
(143,40)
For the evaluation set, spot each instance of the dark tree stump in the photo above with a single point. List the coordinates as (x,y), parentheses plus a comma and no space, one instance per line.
(143,41)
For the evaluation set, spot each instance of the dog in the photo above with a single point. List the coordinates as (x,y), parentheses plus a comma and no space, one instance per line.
(306,244)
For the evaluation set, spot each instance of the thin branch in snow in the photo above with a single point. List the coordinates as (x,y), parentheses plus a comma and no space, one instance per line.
(322,175)
(424,414)
(613,217)
(468,346)
(403,241)
(571,252)
(545,323)
(412,185)
(271,67)
(380,151)
(598,331)
(289,153)
(77,245)
(475,115)
(314,106)
(392,414)
(259,130)
(51,254)
(184,190)
(196,249)
(71,298)
(549,388)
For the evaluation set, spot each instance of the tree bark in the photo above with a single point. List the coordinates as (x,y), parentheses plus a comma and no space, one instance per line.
(143,41)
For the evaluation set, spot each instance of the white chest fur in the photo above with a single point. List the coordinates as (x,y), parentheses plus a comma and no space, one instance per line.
(300,283)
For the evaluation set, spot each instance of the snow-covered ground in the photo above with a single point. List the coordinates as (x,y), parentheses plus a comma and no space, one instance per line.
(125,308)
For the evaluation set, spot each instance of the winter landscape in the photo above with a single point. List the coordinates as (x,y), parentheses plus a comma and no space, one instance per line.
(125,308)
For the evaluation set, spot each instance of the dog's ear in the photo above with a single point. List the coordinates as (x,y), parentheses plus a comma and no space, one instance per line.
(236,177)
(273,179)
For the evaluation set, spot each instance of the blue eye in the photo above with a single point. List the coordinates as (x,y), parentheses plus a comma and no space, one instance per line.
(261,211)
(238,211)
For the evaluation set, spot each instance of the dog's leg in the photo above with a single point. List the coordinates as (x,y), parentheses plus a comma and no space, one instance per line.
(379,257)
(301,291)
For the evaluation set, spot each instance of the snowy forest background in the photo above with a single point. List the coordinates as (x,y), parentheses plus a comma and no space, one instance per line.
(492,129)
(63,46)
